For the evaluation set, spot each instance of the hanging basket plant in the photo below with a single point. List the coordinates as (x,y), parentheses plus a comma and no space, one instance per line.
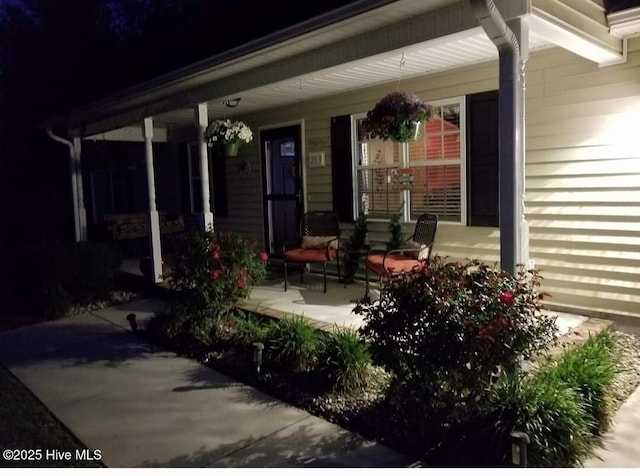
(229,134)
(396,117)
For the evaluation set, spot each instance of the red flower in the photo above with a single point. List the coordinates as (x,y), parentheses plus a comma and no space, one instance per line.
(215,254)
(214,275)
(223,267)
(506,298)
(232,324)
(240,283)
(243,272)
(264,256)
(213,246)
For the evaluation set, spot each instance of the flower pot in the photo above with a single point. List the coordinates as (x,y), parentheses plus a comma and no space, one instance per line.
(231,149)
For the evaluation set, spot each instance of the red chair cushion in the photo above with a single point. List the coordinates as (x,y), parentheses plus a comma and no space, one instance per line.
(309,255)
(393,264)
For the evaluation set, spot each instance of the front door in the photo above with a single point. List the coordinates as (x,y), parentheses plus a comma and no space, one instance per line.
(281,159)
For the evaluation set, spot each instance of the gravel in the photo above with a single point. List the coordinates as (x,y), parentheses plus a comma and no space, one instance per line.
(628,378)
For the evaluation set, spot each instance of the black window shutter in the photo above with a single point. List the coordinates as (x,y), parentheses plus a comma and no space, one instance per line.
(341,169)
(185,195)
(218,173)
(482,159)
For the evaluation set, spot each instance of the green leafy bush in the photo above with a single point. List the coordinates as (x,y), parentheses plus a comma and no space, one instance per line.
(454,324)
(445,331)
(354,247)
(344,360)
(76,273)
(554,416)
(292,344)
(396,237)
(590,370)
(248,329)
(211,273)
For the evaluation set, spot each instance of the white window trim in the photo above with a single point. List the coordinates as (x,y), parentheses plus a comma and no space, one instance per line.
(404,162)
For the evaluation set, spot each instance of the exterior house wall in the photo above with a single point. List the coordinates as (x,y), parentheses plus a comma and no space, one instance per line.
(583,179)
(582,173)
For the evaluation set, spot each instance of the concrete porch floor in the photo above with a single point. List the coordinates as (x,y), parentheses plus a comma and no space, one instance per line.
(336,306)
(325,310)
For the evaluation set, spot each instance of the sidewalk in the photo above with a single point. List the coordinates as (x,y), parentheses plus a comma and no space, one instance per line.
(146,407)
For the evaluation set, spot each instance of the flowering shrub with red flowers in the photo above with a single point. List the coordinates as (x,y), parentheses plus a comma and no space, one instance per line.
(212,271)
(446,330)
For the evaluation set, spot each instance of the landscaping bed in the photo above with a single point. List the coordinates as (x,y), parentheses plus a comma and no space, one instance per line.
(438,371)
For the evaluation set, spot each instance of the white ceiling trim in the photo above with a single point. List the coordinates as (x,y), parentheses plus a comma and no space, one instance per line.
(625,23)
(572,39)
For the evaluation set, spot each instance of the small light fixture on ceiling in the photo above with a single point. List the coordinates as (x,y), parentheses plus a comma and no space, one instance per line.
(232,102)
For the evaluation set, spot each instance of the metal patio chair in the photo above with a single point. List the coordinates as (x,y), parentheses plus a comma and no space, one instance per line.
(318,243)
(414,255)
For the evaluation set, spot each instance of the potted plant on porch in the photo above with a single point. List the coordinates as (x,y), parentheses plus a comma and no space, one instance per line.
(228,134)
(397,117)
(358,242)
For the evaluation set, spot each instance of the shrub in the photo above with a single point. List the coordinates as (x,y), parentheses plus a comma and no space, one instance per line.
(454,324)
(590,370)
(344,360)
(292,343)
(554,416)
(76,273)
(211,273)
(249,329)
(354,246)
(396,237)
(86,269)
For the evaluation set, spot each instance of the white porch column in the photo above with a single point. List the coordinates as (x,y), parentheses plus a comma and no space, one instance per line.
(77,172)
(154,219)
(520,28)
(202,119)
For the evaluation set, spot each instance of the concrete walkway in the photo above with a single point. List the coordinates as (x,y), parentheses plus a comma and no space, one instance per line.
(146,407)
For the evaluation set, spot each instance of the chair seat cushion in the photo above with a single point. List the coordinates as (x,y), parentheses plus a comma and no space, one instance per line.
(309,255)
(393,264)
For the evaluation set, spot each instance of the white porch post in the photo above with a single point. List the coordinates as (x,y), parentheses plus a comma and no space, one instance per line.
(77,172)
(202,119)
(154,219)
(520,28)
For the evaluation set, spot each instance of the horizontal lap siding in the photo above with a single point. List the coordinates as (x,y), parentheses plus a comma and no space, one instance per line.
(583,180)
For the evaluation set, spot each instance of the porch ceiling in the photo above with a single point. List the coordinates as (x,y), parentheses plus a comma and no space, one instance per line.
(459,49)
(326,56)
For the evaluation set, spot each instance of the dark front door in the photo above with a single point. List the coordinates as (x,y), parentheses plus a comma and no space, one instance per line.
(281,159)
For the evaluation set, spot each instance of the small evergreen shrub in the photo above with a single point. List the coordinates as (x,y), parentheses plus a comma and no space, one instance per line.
(396,237)
(554,416)
(354,246)
(292,344)
(248,329)
(590,370)
(76,273)
(344,360)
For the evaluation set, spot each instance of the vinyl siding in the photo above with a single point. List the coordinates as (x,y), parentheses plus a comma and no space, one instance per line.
(583,182)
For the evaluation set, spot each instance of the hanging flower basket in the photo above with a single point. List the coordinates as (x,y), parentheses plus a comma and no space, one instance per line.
(397,117)
(229,134)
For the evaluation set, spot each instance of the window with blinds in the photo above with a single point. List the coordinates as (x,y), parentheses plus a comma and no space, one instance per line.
(435,161)
(376,161)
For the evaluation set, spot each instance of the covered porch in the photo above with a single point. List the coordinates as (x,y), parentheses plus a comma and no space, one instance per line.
(336,67)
